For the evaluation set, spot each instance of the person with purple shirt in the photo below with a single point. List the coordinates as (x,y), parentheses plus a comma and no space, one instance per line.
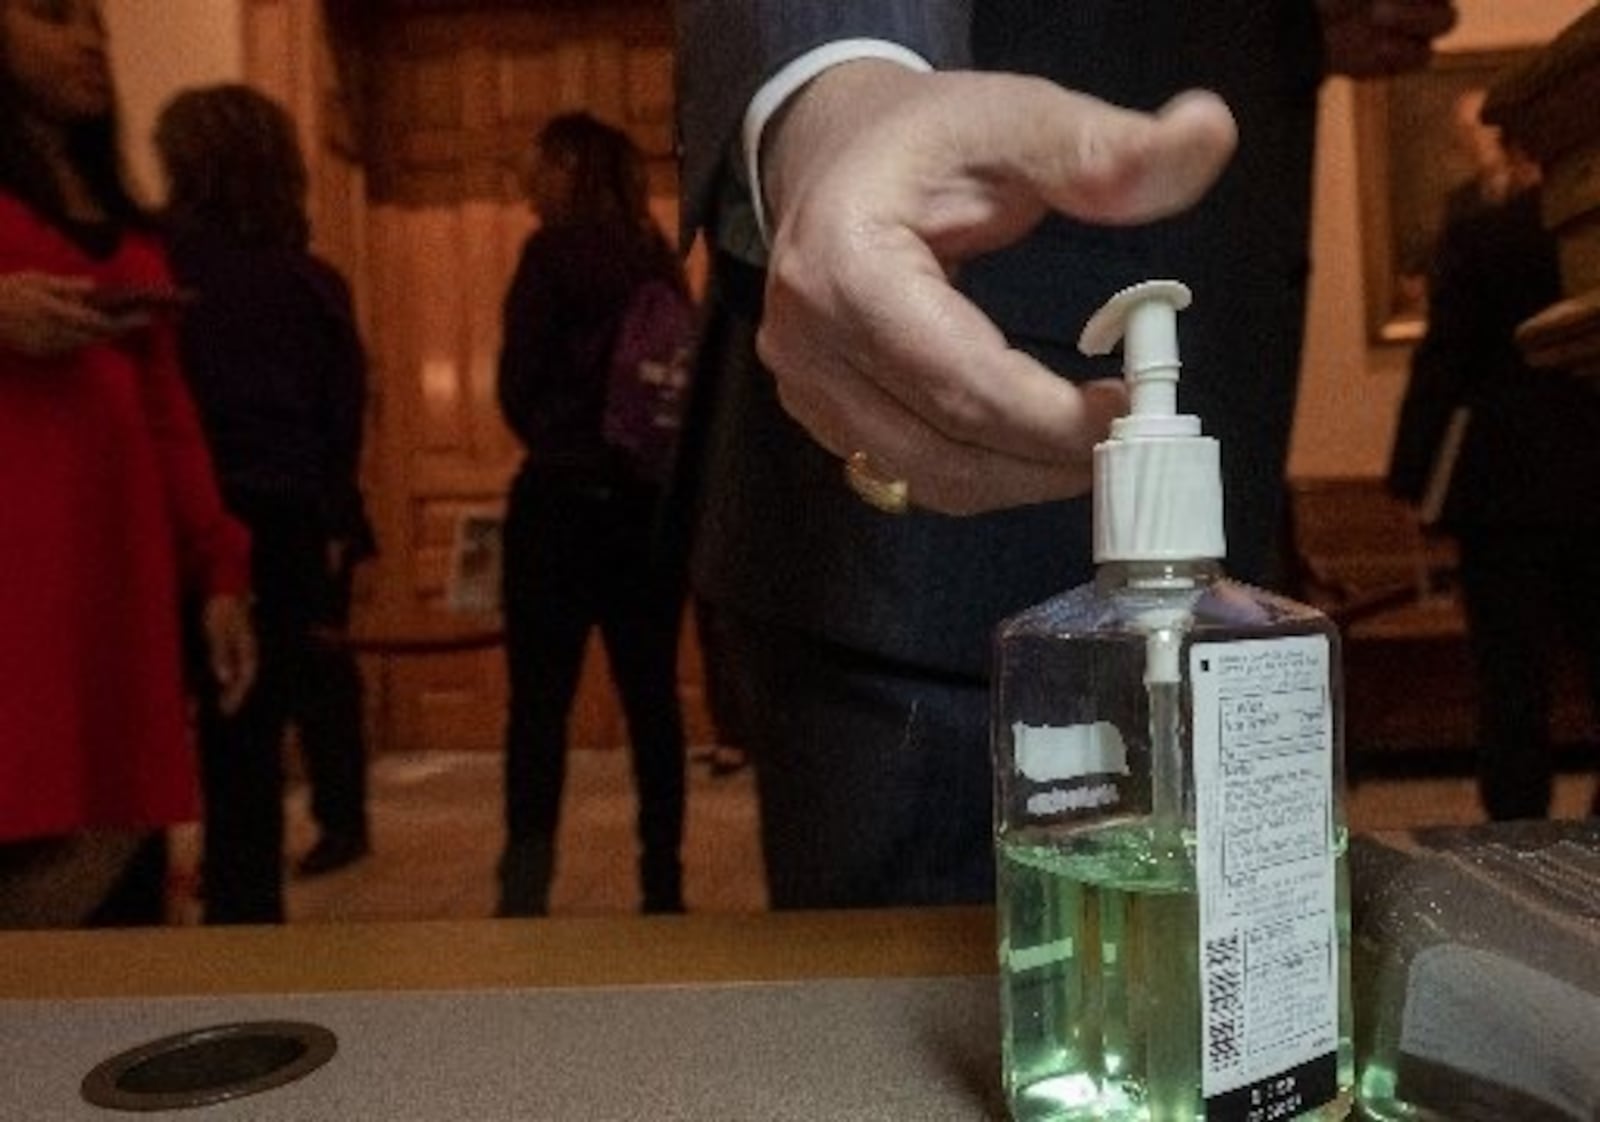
(584,540)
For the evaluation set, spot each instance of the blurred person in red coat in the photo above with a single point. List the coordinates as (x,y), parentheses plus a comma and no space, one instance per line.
(107,497)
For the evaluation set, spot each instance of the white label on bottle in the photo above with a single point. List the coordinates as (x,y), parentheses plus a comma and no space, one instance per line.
(1046,754)
(1264,861)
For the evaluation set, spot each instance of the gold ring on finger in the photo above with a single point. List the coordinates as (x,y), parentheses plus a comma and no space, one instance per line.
(892,496)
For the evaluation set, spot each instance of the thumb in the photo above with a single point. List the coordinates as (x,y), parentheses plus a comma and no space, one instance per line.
(1100,163)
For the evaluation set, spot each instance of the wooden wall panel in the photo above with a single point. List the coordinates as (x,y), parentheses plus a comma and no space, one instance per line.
(391,405)
(431,271)
(438,702)
(275,48)
(456,97)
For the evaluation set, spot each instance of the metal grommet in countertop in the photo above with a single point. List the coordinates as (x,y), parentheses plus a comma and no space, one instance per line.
(209,1065)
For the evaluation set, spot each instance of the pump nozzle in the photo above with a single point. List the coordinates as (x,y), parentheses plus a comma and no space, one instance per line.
(1158,489)
(1144,319)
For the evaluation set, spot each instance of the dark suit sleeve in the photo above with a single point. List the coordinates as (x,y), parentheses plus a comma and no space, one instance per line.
(728,48)
(1449,362)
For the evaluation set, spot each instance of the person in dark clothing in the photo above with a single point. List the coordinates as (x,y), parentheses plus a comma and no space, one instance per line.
(272,354)
(916,253)
(582,547)
(1523,500)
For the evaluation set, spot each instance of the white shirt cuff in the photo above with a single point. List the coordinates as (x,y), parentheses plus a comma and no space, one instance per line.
(785,83)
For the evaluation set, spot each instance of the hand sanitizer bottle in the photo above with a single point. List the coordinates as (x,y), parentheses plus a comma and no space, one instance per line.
(1170,836)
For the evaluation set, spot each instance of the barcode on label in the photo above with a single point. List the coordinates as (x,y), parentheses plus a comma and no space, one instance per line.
(1225,1001)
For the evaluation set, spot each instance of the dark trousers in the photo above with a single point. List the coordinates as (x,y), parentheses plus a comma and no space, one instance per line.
(874,778)
(719,677)
(577,557)
(241,772)
(138,897)
(300,678)
(326,708)
(1528,593)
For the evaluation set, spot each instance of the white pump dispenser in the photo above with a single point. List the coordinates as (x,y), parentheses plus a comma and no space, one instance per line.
(1157,480)
(1168,781)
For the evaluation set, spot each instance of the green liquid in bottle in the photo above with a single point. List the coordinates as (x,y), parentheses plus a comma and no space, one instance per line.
(1100,991)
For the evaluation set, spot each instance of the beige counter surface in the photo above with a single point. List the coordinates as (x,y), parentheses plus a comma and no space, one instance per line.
(489,954)
(851,1016)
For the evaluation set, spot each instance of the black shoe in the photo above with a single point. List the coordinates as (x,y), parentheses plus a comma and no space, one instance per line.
(333,852)
(661,884)
(524,872)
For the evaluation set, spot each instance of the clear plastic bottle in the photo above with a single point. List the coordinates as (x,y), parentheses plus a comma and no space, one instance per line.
(1173,903)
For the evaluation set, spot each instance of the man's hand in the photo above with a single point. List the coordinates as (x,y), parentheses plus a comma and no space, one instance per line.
(881,181)
(231,646)
(1371,38)
(44,316)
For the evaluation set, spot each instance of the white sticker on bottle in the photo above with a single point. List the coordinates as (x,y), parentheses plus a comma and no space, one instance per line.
(1265,865)
(1046,753)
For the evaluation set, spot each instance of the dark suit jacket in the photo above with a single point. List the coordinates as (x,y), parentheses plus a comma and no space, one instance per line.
(782,539)
(1531,454)
(273,358)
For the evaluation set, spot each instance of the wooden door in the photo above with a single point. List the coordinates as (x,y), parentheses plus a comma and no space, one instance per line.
(416,118)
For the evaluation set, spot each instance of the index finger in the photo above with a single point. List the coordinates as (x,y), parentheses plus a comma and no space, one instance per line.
(984,182)
(969,383)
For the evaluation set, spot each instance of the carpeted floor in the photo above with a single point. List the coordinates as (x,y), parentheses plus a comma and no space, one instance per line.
(436,837)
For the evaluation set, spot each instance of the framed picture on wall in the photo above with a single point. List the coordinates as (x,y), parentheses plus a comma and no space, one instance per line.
(1420,152)
(475,561)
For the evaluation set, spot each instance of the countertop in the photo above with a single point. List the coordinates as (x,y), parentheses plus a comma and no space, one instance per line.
(494,954)
(849,1016)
